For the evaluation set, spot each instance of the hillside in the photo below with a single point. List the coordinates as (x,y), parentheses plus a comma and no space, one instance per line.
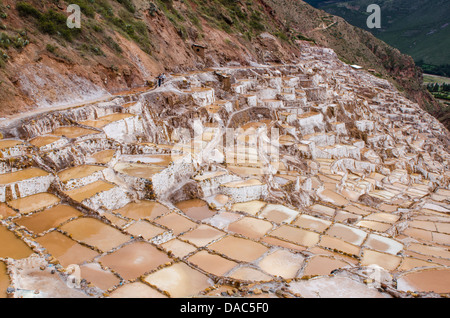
(124,44)
(264,166)
(120,45)
(356,46)
(417,28)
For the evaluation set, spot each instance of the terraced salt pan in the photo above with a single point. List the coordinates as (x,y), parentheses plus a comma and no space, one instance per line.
(249,274)
(139,170)
(4,280)
(33,202)
(245,171)
(429,280)
(178,248)
(375,226)
(202,96)
(45,143)
(419,234)
(12,246)
(250,207)
(250,227)
(212,263)
(312,223)
(322,209)
(73,132)
(346,217)
(134,260)
(441,195)
(305,233)
(357,210)
(282,263)
(213,109)
(202,235)
(425,225)
(159,160)
(296,235)
(217,201)
(435,207)
(383,194)
(103,279)
(247,190)
(78,172)
(179,280)
(9,143)
(49,218)
(211,180)
(104,156)
(105,120)
(322,265)
(430,250)
(387,261)
(12,148)
(65,250)
(346,233)
(278,213)
(410,263)
(222,219)
(383,244)
(209,175)
(115,220)
(226,104)
(143,209)
(245,157)
(177,223)
(383,217)
(24,182)
(238,248)
(89,190)
(136,290)
(80,175)
(196,209)
(287,140)
(95,233)
(333,243)
(332,197)
(100,195)
(144,229)
(6,211)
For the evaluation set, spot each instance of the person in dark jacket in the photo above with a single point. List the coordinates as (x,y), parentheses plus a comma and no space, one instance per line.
(159,79)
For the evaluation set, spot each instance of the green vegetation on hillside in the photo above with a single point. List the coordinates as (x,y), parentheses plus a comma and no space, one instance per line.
(420,29)
(440,91)
(234,17)
(53,21)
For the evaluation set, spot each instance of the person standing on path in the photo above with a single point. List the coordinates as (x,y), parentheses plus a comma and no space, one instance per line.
(159,79)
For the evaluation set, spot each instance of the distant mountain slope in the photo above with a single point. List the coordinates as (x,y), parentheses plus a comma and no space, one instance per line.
(125,43)
(420,28)
(356,46)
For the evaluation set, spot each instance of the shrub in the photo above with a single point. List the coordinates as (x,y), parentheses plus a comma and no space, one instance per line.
(18,42)
(128,4)
(255,22)
(97,28)
(282,36)
(86,7)
(113,44)
(51,22)
(26,9)
(96,50)
(51,48)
